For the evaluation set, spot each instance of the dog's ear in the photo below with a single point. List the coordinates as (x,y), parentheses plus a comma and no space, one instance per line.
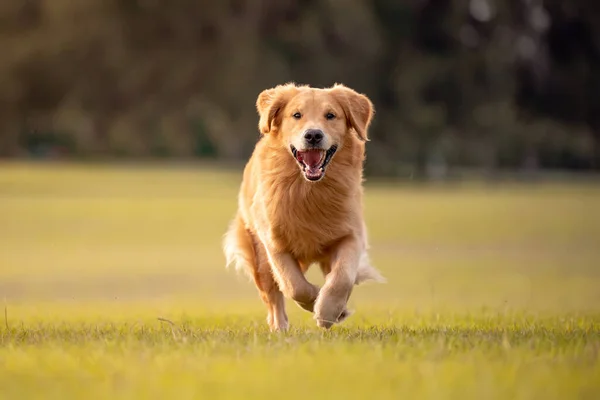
(269,104)
(358,108)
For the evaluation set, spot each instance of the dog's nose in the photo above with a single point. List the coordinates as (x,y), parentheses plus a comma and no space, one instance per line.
(313,136)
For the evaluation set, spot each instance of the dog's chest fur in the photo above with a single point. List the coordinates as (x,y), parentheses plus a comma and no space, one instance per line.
(310,217)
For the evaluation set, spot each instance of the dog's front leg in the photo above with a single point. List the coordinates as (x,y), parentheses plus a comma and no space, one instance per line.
(330,306)
(292,281)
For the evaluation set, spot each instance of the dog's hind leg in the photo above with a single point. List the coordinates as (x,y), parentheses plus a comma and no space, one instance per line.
(269,290)
(245,251)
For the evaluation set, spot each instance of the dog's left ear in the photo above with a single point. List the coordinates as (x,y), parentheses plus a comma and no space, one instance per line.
(269,104)
(358,108)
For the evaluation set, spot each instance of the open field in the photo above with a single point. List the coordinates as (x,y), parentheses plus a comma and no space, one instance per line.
(493,293)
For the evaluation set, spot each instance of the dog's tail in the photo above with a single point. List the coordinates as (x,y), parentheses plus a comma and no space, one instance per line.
(366,272)
(238,247)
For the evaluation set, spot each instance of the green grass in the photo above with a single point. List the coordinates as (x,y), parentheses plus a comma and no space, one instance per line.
(114,287)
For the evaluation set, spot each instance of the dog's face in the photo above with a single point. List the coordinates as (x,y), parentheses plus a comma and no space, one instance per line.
(313,124)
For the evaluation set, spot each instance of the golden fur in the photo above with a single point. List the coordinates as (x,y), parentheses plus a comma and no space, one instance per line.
(285,222)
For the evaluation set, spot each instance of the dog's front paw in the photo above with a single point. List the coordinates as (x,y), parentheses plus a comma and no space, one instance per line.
(321,323)
(306,298)
(344,315)
(326,324)
(330,310)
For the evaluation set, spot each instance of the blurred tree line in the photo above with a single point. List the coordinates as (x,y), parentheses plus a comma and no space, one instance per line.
(490,84)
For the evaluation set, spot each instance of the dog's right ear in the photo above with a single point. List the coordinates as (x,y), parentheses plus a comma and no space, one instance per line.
(269,104)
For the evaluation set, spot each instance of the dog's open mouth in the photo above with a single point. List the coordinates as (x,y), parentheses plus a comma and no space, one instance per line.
(313,161)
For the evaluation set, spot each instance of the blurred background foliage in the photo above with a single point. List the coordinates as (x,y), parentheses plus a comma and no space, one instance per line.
(491,85)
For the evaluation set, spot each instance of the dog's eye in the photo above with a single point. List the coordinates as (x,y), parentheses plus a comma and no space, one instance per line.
(329,116)
(297,115)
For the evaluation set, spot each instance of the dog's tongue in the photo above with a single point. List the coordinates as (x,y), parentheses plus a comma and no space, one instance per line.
(311,158)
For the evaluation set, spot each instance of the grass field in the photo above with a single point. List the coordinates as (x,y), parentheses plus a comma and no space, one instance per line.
(114,287)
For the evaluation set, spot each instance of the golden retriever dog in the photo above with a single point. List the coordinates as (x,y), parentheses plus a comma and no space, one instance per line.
(300,202)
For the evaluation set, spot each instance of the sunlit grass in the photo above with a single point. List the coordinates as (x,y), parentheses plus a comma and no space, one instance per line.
(114,287)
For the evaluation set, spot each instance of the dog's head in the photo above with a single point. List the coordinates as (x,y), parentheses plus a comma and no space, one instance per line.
(313,124)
